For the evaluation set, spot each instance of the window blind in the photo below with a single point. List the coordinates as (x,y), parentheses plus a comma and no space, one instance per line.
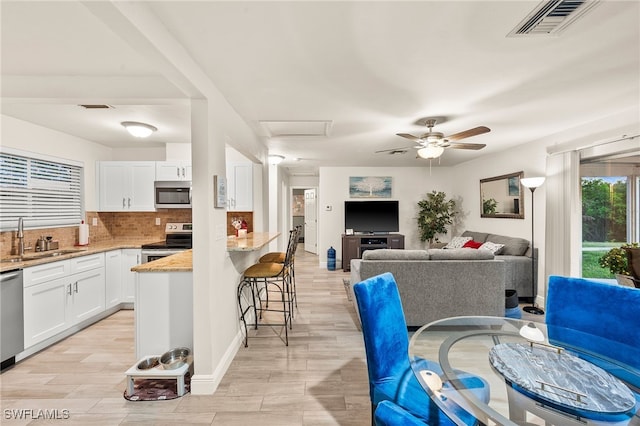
(43,192)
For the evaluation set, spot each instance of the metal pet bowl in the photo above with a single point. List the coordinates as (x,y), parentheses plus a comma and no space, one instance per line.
(148,363)
(175,358)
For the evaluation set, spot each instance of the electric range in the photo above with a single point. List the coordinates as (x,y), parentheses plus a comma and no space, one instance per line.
(178,237)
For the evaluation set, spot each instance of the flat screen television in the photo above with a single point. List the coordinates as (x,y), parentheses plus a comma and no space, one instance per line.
(371,217)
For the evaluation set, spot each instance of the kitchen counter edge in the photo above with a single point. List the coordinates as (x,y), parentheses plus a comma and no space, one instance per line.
(92,248)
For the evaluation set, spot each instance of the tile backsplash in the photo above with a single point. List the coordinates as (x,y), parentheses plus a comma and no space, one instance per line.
(108,226)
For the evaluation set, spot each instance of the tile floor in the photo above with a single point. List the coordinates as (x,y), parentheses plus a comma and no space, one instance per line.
(320,379)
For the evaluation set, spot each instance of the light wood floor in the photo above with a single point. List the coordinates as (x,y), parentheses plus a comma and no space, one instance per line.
(320,379)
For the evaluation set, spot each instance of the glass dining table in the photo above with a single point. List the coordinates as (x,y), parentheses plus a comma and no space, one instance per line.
(531,381)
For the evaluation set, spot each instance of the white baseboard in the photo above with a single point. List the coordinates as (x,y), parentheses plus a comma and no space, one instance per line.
(207,384)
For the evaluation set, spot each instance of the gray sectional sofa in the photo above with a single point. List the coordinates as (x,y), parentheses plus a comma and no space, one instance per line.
(516,254)
(440,283)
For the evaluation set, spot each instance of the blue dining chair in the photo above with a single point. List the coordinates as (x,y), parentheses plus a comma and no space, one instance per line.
(386,344)
(389,414)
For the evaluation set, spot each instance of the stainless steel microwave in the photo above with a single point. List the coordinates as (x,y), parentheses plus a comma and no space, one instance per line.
(172,194)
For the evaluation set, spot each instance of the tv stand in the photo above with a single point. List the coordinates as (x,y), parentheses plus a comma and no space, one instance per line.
(354,245)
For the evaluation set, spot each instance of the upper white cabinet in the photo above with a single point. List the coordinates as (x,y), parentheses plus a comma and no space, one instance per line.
(240,187)
(173,170)
(126,185)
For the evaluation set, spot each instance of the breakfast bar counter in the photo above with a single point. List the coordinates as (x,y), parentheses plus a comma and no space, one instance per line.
(253,242)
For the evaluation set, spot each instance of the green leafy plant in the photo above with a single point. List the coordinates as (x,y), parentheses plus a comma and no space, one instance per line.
(435,213)
(616,259)
(489,206)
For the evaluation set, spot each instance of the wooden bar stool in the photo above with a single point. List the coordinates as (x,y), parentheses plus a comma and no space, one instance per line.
(279,257)
(258,282)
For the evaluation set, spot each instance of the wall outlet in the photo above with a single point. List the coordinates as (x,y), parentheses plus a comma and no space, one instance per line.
(157,221)
(94,221)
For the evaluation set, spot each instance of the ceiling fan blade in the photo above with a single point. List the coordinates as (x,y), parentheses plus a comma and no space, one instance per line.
(404,148)
(408,136)
(468,133)
(475,146)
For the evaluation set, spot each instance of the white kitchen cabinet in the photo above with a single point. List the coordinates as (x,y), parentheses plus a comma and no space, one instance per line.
(113,278)
(173,170)
(87,295)
(56,298)
(47,310)
(130,258)
(240,187)
(126,185)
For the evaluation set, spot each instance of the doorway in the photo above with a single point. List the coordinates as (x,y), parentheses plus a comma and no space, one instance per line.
(304,213)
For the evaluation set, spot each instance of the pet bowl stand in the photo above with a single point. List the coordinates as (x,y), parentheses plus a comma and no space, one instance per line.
(157,373)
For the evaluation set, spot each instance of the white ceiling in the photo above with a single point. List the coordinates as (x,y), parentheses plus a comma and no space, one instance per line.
(369,69)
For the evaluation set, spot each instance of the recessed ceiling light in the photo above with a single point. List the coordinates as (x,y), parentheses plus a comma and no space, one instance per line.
(139,130)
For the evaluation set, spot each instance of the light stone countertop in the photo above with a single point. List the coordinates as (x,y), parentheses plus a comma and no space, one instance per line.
(179,262)
(254,241)
(183,261)
(32,258)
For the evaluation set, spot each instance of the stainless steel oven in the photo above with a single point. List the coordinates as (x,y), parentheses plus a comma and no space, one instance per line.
(178,237)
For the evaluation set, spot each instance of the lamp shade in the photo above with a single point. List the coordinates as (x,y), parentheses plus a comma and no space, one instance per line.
(532,333)
(532,182)
(275,159)
(139,130)
(430,152)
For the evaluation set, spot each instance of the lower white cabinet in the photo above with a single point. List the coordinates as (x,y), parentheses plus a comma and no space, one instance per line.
(130,258)
(113,278)
(46,310)
(87,294)
(54,305)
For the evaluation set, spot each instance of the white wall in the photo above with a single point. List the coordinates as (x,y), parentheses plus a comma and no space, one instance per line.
(531,159)
(409,185)
(25,136)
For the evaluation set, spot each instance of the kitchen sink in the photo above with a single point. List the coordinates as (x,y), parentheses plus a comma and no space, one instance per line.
(42,255)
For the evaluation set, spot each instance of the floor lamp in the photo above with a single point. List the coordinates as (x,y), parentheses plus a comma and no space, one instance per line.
(532,183)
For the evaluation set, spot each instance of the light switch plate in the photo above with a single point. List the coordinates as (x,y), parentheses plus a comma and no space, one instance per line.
(94,221)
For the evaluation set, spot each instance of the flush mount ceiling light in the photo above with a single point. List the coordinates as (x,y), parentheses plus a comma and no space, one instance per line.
(275,159)
(139,130)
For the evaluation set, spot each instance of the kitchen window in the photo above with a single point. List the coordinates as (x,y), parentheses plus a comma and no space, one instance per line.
(44,191)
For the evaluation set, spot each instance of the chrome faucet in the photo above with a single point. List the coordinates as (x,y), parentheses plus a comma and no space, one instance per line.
(21,247)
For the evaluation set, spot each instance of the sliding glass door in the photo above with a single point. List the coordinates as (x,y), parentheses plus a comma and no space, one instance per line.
(610,195)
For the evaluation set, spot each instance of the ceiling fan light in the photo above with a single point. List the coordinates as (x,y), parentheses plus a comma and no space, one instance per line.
(139,130)
(430,152)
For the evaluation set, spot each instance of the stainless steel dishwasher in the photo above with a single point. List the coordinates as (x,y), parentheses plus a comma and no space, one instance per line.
(11,317)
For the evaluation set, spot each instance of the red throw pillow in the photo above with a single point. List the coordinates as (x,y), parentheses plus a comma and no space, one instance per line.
(472,244)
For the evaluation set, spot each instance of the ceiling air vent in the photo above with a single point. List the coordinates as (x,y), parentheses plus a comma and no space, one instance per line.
(96,106)
(552,17)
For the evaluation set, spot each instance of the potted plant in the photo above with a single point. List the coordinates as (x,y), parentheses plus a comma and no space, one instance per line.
(617,261)
(435,213)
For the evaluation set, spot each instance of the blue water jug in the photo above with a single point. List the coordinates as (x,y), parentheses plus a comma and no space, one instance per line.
(331,259)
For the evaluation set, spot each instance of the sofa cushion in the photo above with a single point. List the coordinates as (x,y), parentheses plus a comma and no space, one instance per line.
(391,254)
(457,242)
(476,236)
(492,247)
(512,245)
(472,244)
(460,254)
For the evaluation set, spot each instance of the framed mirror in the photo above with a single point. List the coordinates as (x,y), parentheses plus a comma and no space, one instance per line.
(501,196)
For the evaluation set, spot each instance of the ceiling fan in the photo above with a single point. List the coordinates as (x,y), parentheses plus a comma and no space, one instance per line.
(432,144)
